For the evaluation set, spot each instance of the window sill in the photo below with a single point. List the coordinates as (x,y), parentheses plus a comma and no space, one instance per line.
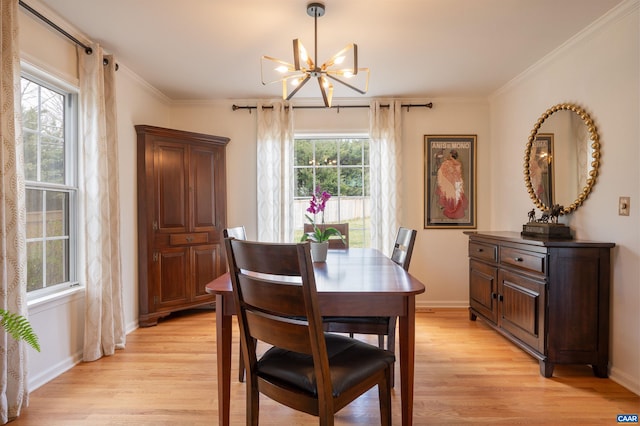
(49,301)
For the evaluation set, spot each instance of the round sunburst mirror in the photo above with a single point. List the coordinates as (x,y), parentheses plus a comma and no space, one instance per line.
(561,158)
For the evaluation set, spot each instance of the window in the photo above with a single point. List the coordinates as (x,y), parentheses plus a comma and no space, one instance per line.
(48,127)
(339,165)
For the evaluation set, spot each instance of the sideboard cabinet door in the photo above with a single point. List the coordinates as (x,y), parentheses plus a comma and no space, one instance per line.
(181,216)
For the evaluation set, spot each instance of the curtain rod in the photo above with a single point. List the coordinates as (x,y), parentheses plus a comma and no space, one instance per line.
(88,50)
(337,107)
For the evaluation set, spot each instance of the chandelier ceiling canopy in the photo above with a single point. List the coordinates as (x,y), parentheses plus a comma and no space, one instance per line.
(341,67)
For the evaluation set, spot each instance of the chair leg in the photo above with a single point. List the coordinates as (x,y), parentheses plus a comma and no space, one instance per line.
(391,344)
(381,341)
(253,402)
(384,396)
(240,364)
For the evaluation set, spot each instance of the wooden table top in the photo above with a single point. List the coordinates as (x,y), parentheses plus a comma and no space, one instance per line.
(350,271)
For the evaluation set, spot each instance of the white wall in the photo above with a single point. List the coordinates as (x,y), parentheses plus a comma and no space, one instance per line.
(598,70)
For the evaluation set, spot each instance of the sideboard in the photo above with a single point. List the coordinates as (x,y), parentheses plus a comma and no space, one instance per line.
(550,297)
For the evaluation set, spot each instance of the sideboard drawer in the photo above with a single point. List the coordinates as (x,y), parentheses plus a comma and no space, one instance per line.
(523,259)
(483,251)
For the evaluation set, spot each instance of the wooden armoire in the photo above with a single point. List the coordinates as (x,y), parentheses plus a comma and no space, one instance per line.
(181,217)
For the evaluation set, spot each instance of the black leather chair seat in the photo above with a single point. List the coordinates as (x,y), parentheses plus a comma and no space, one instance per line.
(296,370)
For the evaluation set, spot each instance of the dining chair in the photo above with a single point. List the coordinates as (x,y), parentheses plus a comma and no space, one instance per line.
(276,301)
(334,243)
(382,326)
(237,232)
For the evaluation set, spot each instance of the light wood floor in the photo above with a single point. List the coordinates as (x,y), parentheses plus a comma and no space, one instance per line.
(465,374)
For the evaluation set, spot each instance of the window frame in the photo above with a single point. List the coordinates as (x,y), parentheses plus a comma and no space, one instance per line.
(366,192)
(71,172)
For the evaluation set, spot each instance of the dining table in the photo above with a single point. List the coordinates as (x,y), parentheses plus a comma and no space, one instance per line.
(351,282)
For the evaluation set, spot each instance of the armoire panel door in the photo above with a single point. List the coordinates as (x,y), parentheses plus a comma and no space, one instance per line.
(203,181)
(171,177)
(172,266)
(206,267)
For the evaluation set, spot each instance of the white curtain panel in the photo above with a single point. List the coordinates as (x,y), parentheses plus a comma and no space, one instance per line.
(275,172)
(100,210)
(385,147)
(14,393)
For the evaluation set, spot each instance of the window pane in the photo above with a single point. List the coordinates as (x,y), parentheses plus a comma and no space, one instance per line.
(327,179)
(34,266)
(52,113)
(57,213)
(351,152)
(30,91)
(304,182)
(57,254)
(326,152)
(351,182)
(365,154)
(367,182)
(303,153)
(30,144)
(33,201)
(52,160)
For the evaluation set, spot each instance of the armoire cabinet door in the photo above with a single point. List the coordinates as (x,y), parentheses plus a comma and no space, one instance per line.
(207,265)
(171,175)
(171,267)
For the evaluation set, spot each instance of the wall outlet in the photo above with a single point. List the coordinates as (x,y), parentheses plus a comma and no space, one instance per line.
(623,206)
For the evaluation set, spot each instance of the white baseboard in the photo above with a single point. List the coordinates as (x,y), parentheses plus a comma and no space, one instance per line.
(54,371)
(422,306)
(623,379)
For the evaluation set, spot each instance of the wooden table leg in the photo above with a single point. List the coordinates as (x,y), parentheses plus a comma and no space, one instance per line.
(407,331)
(223,347)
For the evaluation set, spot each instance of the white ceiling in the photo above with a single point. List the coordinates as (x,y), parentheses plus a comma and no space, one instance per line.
(211,49)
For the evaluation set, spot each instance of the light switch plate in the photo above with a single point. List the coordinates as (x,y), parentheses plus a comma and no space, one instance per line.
(623,206)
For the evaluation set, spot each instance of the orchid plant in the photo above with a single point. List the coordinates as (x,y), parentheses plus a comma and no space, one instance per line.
(317,205)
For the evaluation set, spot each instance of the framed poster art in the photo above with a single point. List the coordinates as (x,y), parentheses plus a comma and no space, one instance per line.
(541,168)
(450,181)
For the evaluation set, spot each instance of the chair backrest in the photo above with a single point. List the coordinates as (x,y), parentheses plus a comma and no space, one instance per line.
(274,290)
(334,242)
(237,232)
(403,247)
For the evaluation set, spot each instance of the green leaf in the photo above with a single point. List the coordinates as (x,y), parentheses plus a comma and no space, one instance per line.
(19,328)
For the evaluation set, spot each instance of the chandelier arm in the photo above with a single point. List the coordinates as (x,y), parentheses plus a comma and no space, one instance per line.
(298,87)
(362,92)
(327,101)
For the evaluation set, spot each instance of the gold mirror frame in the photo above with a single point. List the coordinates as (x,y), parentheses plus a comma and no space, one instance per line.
(595,155)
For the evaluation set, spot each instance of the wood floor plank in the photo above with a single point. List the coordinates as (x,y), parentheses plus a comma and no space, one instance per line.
(466,373)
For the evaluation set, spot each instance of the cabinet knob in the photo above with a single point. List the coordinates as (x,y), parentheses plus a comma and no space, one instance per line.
(518,259)
(480,250)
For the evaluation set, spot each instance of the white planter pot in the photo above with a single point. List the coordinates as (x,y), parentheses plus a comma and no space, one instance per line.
(319,251)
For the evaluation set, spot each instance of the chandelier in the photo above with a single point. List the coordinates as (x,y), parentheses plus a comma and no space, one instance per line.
(341,67)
